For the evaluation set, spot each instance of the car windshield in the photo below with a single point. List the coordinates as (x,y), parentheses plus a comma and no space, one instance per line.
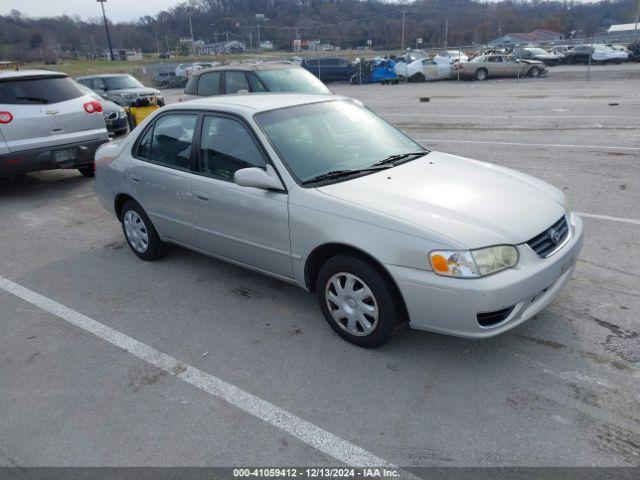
(479,59)
(291,80)
(319,138)
(121,82)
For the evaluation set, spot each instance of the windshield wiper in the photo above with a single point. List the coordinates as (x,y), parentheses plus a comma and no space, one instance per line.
(342,173)
(392,159)
(34,99)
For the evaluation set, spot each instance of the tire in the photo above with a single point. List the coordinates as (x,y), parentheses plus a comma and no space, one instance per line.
(140,233)
(372,315)
(87,171)
(534,72)
(481,74)
(418,77)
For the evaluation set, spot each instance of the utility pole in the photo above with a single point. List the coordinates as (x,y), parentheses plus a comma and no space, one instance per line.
(157,44)
(446,34)
(403,15)
(635,30)
(106,27)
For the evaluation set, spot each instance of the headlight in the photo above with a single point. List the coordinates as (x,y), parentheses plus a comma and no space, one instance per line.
(567,205)
(473,263)
(122,113)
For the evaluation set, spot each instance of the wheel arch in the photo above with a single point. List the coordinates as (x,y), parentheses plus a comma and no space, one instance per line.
(119,202)
(322,253)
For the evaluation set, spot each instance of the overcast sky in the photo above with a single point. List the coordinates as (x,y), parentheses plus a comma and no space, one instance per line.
(117,10)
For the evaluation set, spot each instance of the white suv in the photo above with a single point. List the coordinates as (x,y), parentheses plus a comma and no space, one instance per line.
(47,122)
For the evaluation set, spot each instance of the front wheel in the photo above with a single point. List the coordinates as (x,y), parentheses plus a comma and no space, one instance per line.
(140,233)
(358,301)
(534,72)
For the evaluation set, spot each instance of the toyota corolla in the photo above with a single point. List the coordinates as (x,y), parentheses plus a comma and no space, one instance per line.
(320,192)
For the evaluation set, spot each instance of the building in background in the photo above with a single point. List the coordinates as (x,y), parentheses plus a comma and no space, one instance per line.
(537,36)
(624,29)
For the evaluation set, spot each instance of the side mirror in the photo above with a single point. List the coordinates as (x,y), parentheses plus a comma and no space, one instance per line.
(258,178)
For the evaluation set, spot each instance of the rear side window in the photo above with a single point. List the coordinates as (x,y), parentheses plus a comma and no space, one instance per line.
(38,90)
(192,85)
(169,141)
(209,84)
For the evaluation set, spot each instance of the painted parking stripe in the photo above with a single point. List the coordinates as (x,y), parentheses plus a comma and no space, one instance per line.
(543,145)
(320,439)
(632,221)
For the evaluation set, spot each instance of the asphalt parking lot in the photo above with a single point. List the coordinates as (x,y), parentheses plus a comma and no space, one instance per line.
(561,390)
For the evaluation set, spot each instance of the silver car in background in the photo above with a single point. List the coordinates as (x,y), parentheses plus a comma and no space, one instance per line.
(47,122)
(320,192)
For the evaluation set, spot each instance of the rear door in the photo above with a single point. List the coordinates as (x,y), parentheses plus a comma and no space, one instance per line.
(160,173)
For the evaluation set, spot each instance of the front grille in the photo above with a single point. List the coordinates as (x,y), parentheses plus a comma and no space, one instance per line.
(546,243)
(111,116)
(489,319)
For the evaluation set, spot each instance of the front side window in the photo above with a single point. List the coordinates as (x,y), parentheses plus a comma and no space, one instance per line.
(209,84)
(235,81)
(226,147)
(318,138)
(169,141)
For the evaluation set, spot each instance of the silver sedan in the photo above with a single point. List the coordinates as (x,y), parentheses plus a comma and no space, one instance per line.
(320,192)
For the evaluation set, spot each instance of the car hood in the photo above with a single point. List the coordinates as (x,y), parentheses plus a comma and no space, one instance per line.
(137,91)
(533,62)
(474,204)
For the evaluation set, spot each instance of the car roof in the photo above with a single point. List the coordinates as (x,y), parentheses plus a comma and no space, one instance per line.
(254,102)
(105,75)
(30,73)
(247,67)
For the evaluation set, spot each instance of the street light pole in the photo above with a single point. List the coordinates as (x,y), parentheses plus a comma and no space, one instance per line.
(106,27)
(403,14)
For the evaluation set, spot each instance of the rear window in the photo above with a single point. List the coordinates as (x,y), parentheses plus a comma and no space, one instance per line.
(38,90)
(192,85)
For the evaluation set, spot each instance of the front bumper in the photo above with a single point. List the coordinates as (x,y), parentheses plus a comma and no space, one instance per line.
(451,305)
(76,155)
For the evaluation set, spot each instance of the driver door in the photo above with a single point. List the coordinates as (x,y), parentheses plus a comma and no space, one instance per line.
(243,224)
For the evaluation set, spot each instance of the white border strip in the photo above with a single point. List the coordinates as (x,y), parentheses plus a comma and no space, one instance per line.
(632,221)
(478,115)
(308,433)
(543,145)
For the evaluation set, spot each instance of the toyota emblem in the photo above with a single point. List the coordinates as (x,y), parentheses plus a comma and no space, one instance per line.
(554,235)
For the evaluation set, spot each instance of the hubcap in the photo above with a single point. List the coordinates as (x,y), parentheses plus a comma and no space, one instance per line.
(351,304)
(136,231)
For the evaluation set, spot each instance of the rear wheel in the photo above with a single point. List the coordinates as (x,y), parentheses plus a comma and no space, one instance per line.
(481,74)
(418,77)
(87,171)
(140,233)
(358,301)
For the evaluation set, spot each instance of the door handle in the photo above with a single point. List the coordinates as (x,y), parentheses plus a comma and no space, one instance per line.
(202,196)
(135,178)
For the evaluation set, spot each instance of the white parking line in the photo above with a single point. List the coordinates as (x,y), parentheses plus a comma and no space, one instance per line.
(633,221)
(309,433)
(543,145)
